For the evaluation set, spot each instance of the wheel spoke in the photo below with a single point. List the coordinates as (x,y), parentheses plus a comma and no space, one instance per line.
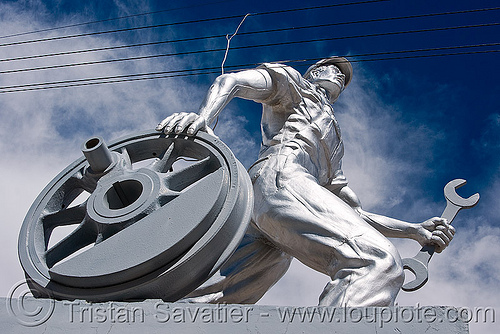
(180,180)
(66,194)
(65,217)
(164,163)
(71,216)
(82,236)
(126,157)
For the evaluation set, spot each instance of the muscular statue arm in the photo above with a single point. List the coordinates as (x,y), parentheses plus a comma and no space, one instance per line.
(434,231)
(255,84)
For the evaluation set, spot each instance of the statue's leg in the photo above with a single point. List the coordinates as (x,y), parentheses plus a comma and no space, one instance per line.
(252,270)
(323,232)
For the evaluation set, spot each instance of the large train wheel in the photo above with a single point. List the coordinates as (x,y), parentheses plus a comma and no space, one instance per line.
(152,217)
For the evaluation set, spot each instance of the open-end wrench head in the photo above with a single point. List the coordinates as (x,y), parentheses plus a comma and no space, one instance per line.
(451,195)
(419,269)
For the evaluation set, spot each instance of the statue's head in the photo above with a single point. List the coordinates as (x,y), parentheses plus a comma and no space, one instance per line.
(333,74)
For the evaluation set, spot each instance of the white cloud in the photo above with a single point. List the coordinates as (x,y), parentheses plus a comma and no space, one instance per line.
(231,130)
(386,157)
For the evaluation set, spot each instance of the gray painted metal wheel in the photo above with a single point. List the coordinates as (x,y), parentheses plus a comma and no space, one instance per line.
(162,214)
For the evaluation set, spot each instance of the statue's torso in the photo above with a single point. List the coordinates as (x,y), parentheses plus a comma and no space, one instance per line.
(298,115)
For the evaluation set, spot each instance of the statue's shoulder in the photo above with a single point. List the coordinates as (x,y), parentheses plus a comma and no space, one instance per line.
(277,69)
(289,85)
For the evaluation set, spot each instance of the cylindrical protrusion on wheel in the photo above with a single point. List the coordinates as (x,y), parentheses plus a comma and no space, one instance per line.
(97,153)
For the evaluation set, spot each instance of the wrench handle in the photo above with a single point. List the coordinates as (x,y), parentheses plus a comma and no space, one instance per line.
(425,254)
(449,213)
(418,264)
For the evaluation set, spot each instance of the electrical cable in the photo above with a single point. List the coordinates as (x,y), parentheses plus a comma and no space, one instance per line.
(247,33)
(426,56)
(215,70)
(247,47)
(112,19)
(113,81)
(185,22)
(247,65)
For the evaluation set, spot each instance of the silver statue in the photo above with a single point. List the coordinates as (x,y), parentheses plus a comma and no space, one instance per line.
(303,205)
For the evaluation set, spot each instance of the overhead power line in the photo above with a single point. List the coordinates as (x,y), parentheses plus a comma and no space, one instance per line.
(112,19)
(427,56)
(186,22)
(217,70)
(211,70)
(114,81)
(108,48)
(392,33)
(240,66)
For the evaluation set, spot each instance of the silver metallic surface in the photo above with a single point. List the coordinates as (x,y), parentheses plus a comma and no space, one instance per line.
(147,229)
(418,264)
(303,205)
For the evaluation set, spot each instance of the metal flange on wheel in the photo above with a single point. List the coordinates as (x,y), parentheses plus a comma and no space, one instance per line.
(162,214)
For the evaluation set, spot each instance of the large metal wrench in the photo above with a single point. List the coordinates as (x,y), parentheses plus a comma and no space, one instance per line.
(418,264)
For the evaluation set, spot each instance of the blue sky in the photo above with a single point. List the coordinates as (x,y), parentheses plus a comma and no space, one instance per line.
(410,125)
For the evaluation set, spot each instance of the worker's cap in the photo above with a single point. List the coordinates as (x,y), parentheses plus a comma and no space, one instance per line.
(342,63)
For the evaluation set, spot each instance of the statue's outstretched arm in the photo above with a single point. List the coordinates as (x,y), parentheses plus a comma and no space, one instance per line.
(434,231)
(254,84)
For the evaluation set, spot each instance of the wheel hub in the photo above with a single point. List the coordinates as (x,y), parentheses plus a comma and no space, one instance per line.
(121,198)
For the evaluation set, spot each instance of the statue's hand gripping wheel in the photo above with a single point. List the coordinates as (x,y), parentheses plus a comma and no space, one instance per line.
(150,228)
